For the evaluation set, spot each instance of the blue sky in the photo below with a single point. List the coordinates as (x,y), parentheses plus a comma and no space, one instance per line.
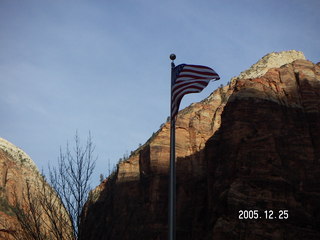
(103,66)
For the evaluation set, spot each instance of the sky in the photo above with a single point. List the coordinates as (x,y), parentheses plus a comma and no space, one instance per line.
(71,66)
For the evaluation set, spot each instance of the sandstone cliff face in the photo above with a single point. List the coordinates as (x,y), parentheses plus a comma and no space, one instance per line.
(19,177)
(253,144)
(15,168)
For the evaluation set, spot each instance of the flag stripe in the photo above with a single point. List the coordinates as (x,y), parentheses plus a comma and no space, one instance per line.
(204,82)
(184,75)
(182,91)
(179,98)
(202,69)
(188,90)
(189,79)
(194,75)
(194,70)
(186,69)
(198,67)
(199,86)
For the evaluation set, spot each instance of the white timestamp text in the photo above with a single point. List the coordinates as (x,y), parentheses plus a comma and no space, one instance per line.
(263,214)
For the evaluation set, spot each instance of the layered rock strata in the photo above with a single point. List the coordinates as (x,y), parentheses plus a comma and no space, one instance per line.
(251,145)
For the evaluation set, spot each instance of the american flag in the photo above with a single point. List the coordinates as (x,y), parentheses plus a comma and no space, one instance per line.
(188,79)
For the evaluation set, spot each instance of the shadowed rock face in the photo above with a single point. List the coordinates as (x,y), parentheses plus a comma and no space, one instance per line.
(251,145)
(265,156)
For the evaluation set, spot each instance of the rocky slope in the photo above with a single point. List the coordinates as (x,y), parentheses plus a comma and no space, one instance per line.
(251,145)
(15,168)
(24,190)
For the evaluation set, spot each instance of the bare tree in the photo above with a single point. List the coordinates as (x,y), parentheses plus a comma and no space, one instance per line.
(53,212)
(39,215)
(71,179)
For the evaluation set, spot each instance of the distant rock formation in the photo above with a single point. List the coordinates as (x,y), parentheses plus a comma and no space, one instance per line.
(271,60)
(16,167)
(19,179)
(251,145)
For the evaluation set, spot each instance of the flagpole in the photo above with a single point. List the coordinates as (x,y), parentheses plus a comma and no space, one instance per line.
(172,169)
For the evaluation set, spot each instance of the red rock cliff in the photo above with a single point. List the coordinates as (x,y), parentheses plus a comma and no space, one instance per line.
(22,187)
(251,145)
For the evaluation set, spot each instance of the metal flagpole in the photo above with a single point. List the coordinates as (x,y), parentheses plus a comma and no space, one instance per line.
(172,170)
